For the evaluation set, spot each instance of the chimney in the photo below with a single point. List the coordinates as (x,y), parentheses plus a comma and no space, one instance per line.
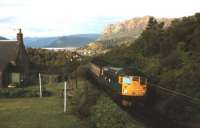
(20,36)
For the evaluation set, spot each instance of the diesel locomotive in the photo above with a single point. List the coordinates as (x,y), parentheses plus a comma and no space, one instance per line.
(122,82)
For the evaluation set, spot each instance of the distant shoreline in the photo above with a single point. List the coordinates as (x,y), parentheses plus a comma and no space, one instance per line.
(62,49)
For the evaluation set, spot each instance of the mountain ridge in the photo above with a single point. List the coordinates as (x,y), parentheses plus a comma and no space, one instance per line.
(74,40)
(77,40)
(3,38)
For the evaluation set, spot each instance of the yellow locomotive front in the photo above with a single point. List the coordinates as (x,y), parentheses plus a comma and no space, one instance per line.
(132,85)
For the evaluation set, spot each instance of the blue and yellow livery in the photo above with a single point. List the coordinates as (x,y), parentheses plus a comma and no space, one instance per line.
(119,81)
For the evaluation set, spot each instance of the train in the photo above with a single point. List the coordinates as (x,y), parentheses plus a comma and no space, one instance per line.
(126,85)
(135,91)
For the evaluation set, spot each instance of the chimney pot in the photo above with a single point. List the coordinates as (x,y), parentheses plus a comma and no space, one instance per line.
(20,30)
(20,36)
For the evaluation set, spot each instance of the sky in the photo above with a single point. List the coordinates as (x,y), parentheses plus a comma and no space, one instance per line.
(45,18)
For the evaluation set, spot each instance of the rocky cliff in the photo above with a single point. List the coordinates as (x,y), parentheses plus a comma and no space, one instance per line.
(123,33)
(128,28)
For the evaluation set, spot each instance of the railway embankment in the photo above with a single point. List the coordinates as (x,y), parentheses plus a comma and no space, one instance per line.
(96,107)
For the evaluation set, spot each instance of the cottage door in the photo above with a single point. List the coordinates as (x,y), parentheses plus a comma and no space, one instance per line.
(15,78)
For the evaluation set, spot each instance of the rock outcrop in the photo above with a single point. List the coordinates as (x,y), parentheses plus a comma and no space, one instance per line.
(131,27)
(127,26)
(123,33)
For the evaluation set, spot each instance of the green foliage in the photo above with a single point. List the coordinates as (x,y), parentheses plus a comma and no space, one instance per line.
(57,63)
(106,114)
(11,93)
(48,61)
(84,99)
(49,78)
(21,92)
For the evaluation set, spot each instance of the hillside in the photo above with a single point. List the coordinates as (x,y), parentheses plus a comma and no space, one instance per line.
(64,41)
(2,38)
(74,40)
(124,32)
(38,42)
(169,57)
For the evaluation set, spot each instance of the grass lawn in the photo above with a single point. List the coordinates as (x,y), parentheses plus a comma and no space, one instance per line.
(37,113)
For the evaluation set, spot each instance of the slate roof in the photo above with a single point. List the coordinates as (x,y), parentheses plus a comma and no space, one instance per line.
(8,52)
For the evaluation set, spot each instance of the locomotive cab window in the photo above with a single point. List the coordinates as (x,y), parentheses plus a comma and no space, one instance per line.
(127,80)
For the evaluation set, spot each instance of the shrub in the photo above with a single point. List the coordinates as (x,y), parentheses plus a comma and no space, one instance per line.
(20,92)
(84,99)
(106,114)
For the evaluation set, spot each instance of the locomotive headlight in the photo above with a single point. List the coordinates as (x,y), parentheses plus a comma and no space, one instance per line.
(125,91)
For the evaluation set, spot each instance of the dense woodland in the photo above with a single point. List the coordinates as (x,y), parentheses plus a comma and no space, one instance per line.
(169,57)
(60,63)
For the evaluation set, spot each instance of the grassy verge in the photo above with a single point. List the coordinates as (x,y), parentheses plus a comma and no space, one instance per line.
(46,112)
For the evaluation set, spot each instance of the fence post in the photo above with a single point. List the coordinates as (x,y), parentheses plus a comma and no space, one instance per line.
(40,82)
(76,79)
(65,96)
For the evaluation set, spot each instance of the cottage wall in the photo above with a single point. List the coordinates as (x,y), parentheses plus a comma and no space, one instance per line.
(1,79)
(15,60)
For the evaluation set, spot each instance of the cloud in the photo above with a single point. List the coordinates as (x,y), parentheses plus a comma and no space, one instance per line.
(14,3)
(62,17)
(39,29)
(7,19)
